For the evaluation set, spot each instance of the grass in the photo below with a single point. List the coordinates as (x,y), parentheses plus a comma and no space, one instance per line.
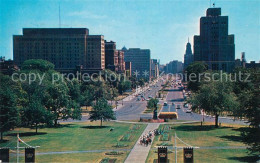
(207,135)
(76,157)
(74,137)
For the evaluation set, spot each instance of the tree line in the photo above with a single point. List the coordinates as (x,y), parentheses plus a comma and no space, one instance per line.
(26,103)
(236,94)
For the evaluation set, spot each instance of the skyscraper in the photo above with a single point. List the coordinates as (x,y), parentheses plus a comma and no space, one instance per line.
(188,57)
(214,45)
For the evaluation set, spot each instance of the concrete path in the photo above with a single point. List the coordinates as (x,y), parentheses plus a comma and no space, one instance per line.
(139,153)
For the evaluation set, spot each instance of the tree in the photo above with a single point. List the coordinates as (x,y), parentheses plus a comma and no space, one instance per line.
(39,64)
(123,86)
(248,93)
(102,111)
(35,113)
(152,103)
(214,98)
(9,117)
(195,69)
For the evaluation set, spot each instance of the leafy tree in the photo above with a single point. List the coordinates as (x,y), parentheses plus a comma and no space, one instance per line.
(248,93)
(134,81)
(123,86)
(35,113)
(195,69)
(38,64)
(102,111)
(141,82)
(9,117)
(214,98)
(74,90)
(152,103)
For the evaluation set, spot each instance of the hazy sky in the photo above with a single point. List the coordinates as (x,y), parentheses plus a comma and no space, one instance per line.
(160,25)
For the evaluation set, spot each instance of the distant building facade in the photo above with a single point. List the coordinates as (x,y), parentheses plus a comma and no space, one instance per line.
(174,67)
(111,56)
(66,48)
(244,64)
(214,45)
(95,52)
(121,62)
(154,68)
(7,67)
(140,60)
(188,56)
(128,68)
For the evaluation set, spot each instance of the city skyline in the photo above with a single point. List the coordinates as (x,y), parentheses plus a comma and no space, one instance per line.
(140,24)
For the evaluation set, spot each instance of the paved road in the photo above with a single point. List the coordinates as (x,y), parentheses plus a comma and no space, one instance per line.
(132,109)
(175,96)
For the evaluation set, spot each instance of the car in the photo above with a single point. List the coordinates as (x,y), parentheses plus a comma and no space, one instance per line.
(165,104)
(188,111)
(178,107)
(186,105)
(150,97)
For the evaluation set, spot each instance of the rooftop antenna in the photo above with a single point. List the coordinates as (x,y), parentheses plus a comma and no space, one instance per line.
(188,40)
(59,16)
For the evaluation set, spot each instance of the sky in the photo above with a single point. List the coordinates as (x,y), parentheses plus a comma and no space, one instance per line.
(163,26)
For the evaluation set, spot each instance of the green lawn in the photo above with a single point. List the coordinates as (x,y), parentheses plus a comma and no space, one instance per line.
(76,137)
(195,135)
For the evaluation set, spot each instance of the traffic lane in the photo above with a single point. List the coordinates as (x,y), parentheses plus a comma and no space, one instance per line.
(176,96)
(168,108)
(131,112)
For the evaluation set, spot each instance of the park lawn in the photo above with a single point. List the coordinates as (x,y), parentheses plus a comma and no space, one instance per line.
(76,157)
(207,135)
(79,136)
(206,155)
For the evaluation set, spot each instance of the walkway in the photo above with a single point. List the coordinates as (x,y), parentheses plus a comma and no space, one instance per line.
(139,153)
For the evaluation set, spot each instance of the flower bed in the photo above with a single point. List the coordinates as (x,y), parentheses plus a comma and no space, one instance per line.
(108,160)
(114,153)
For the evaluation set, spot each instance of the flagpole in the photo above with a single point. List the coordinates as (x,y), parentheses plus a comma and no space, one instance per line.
(17,148)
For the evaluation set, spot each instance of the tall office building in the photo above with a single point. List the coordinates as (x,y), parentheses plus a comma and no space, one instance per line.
(188,57)
(214,45)
(140,60)
(111,56)
(66,48)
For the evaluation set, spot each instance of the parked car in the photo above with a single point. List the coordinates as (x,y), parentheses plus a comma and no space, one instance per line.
(178,107)
(149,96)
(165,104)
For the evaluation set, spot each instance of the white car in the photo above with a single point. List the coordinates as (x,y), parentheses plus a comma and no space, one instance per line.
(188,111)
